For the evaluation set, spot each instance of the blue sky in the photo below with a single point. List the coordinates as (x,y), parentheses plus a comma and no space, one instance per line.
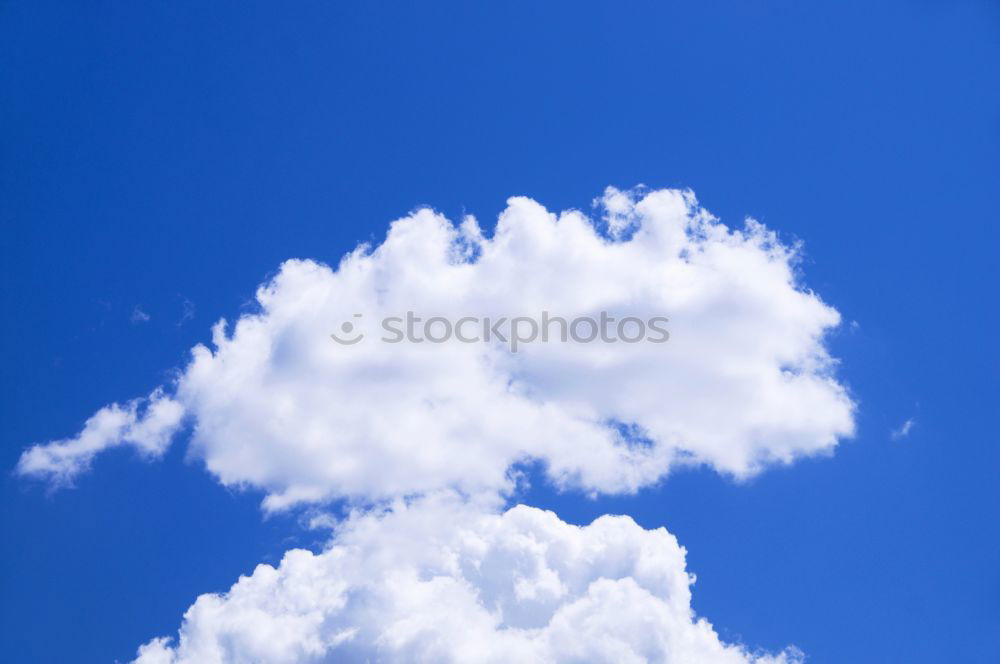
(170,153)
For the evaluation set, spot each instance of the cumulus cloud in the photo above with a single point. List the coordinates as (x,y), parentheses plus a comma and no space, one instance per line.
(744,380)
(424,439)
(441,580)
(145,424)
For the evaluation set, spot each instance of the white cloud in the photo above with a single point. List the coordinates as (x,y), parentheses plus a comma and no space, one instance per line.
(187,312)
(146,424)
(138,315)
(904,430)
(441,580)
(743,382)
(619,211)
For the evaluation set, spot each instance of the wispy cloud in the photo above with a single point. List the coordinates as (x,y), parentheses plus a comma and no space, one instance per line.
(904,430)
(146,424)
(138,315)
(187,312)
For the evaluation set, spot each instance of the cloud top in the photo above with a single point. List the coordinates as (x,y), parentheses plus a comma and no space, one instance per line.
(438,580)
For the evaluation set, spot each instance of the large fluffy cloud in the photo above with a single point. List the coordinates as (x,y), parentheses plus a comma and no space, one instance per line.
(743,381)
(401,430)
(441,580)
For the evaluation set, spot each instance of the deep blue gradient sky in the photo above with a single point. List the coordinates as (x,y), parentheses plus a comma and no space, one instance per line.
(157,152)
